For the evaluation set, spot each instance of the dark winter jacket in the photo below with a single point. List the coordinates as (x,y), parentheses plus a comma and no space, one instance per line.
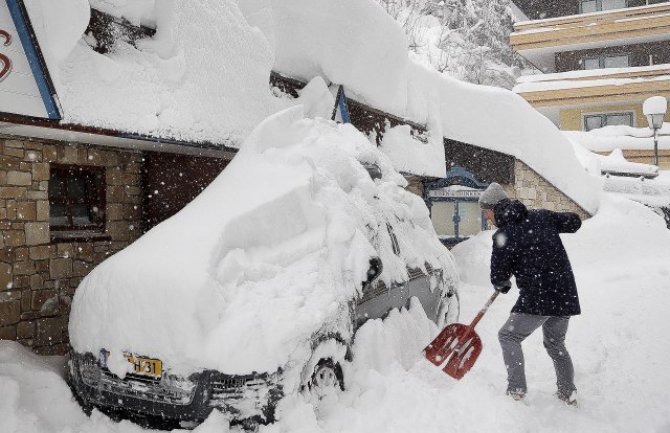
(527,246)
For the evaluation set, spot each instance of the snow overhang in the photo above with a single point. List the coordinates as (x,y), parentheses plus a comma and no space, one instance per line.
(46,129)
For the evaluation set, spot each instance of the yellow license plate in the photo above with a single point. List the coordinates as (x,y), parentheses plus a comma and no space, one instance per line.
(146,366)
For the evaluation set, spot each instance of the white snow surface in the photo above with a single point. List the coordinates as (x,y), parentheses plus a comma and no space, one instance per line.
(653,192)
(609,138)
(60,25)
(542,86)
(267,255)
(655,105)
(202,77)
(489,117)
(411,155)
(617,345)
(588,73)
(615,162)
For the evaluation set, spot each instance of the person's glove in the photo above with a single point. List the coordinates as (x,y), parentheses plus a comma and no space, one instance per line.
(503,287)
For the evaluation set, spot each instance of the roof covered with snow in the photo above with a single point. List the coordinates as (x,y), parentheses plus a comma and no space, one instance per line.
(204,77)
(489,117)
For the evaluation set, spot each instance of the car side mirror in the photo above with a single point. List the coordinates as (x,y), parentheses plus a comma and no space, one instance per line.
(375,270)
(373,170)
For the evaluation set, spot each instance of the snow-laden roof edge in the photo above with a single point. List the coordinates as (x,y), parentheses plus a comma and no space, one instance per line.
(172,86)
(381,74)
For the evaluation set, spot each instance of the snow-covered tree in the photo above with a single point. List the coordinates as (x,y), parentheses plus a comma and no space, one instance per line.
(468,39)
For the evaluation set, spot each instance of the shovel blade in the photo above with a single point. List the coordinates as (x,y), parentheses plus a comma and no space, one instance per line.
(439,350)
(464,357)
(456,348)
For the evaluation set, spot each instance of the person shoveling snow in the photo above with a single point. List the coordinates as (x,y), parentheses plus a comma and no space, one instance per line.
(527,246)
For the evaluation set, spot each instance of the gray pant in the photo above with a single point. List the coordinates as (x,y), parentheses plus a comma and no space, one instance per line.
(554,328)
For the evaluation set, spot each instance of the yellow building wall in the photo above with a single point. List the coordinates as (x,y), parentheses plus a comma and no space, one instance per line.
(571,119)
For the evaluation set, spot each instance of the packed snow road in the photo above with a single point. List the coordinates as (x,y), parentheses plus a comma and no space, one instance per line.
(619,346)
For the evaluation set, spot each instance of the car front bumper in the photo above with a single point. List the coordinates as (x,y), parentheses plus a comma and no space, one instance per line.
(187,401)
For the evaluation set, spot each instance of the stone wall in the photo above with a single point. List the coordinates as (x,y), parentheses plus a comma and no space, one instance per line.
(38,276)
(534,191)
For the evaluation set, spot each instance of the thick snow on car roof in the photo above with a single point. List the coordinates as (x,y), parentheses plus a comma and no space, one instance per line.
(241,278)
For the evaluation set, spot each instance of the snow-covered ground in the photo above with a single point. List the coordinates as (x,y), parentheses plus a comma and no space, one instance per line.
(619,346)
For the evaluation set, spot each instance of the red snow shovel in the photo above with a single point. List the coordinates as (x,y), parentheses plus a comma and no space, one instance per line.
(457,346)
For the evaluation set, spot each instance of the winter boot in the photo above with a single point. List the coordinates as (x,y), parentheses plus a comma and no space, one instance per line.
(516,394)
(569,398)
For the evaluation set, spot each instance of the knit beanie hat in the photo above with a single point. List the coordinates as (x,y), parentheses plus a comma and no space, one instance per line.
(492,196)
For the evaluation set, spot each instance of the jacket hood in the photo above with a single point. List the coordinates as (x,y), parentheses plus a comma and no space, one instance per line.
(509,212)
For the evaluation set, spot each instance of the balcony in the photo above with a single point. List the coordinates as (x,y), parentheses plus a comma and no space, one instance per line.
(600,86)
(539,40)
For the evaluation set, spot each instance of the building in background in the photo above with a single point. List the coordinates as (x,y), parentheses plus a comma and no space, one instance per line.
(598,61)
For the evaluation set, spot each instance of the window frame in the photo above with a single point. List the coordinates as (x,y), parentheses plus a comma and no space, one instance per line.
(601,60)
(604,116)
(599,6)
(66,199)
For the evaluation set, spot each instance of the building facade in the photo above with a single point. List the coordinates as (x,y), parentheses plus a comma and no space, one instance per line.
(598,61)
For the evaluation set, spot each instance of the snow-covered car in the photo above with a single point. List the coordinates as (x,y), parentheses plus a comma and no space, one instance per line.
(255,290)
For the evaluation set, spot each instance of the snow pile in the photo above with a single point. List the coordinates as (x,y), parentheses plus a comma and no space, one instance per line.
(202,77)
(542,86)
(411,155)
(589,78)
(655,105)
(616,163)
(380,73)
(347,42)
(36,399)
(59,25)
(654,192)
(617,345)
(269,254)
(609,138)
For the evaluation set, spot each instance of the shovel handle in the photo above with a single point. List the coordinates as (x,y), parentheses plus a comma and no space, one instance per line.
(481,313)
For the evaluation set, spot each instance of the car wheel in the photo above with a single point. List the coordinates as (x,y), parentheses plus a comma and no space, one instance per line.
(448,310)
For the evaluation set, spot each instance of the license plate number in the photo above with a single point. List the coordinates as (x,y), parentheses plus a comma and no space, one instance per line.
(140,365)
(146,366)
